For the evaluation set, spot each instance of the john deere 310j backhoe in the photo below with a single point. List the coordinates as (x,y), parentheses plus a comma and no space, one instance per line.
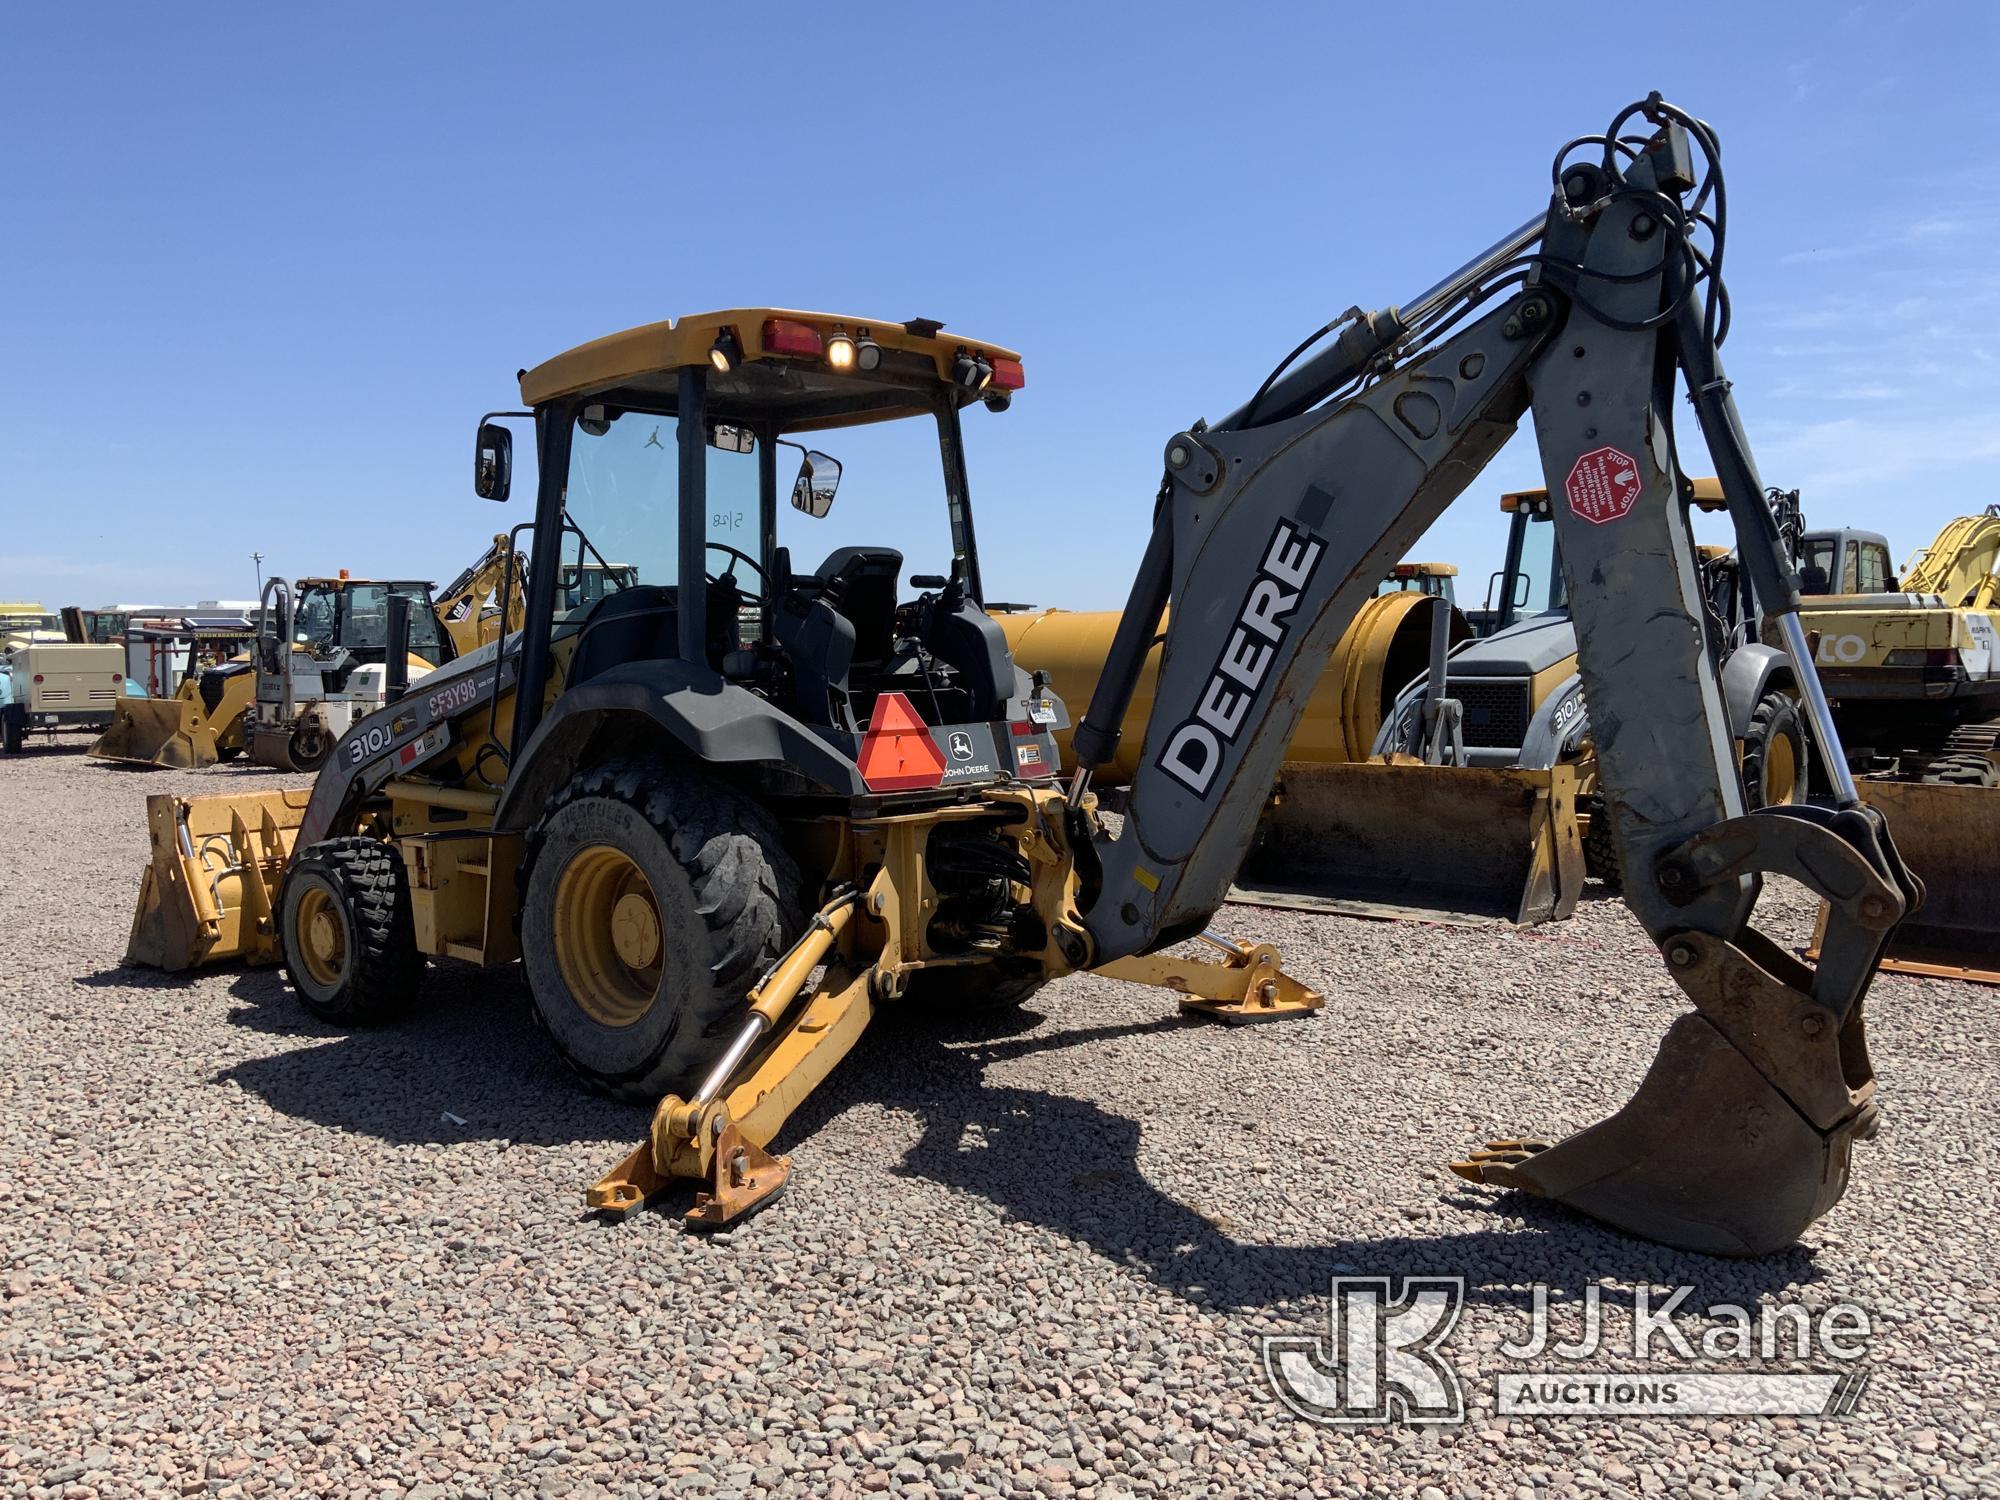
(642,795)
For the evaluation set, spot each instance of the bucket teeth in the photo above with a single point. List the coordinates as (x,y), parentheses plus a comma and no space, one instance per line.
(1490,1162)
(1706,1156)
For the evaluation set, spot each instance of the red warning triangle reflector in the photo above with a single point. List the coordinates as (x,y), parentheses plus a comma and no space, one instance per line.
(898,753)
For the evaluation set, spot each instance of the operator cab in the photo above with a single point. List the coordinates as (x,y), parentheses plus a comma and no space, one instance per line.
(685,469)
(1845,561)
(343,624)
(1433,579)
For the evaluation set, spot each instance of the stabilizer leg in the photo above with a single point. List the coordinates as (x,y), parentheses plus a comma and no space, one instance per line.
(1246,987)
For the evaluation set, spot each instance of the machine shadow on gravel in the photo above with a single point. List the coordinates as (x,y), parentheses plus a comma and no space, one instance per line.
(1065,1163)
(470,1050)
(1072,1166)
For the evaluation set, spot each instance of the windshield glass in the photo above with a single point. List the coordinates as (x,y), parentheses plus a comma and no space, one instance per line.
(313,620)
(1539,587)
(367,627)
(1816,565)
(891,495)
(624,495)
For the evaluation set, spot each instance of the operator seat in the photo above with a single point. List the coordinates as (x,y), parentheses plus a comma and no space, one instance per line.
(861,583)
(847,619)
(642,623)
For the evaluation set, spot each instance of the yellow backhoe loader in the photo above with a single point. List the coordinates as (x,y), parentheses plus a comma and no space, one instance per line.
(1913,672)
(717,850)
(299,698)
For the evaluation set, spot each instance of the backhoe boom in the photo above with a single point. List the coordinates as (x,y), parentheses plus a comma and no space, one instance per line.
(1271,532)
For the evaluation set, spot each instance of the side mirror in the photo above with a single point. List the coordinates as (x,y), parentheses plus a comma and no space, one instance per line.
(731,439)
(819,477)
(493,462)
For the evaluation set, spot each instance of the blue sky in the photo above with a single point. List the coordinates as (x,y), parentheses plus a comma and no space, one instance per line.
(264,267)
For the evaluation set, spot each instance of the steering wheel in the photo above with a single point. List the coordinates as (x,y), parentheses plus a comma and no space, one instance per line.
(741,556)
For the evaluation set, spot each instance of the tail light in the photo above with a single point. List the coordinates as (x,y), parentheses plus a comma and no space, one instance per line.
(788,336)
(1008,374)
(38,679)
(1912,657)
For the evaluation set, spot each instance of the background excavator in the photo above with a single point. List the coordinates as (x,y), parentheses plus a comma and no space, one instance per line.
(642,801)
(1912,667)
(320,659)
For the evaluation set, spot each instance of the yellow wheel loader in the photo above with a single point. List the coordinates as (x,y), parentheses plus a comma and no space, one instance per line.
(1913,672)
(718,848)
(319,661)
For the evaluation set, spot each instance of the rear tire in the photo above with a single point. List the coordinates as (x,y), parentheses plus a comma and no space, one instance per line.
(653,899)
(13,732)
(1962,768)
(1775,760)
(344,924)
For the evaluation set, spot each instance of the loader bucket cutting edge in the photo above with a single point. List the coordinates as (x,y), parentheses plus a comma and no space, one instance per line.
(1433,843)
(1950,838)
(210,885)
(151,732)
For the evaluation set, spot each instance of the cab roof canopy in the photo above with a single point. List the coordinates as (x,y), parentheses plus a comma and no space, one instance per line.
(769,363)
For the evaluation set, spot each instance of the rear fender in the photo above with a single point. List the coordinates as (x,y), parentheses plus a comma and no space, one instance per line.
(714,721)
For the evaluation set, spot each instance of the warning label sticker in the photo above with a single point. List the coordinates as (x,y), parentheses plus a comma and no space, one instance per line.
(1603,485)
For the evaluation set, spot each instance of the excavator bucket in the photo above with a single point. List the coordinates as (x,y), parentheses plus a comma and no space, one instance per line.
(183,732)
(1740,1134)
(1950,837)
(1401,839)
(210,888)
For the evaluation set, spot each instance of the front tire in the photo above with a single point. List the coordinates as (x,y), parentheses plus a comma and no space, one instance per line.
(654,898)
(1774,753)
(1600,847)
(349,942)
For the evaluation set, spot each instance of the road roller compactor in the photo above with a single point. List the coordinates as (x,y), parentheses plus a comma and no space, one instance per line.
(730,808)
(319,660)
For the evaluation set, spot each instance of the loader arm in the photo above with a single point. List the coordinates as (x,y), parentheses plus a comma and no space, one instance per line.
(1271,530)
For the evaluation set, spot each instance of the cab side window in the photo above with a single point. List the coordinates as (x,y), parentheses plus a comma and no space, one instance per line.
(1874,568)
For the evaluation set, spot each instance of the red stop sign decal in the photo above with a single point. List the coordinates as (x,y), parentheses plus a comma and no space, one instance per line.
(1603,485)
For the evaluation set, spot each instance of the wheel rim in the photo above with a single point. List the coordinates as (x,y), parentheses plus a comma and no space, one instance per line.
(322,939)
(1781,771)
(608,936)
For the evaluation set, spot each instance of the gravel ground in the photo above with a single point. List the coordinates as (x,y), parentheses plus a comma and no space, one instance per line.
(246,1254)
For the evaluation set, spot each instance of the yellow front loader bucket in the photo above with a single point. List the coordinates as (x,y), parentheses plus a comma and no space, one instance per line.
(181,732)
(1397,838)
(1950,838)
(210,888)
